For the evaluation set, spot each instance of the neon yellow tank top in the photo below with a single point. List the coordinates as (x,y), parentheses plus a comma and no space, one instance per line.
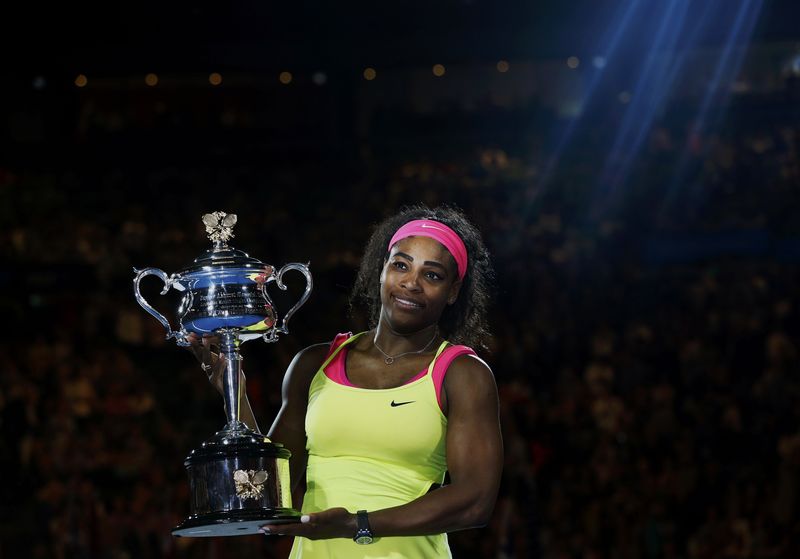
(372,449)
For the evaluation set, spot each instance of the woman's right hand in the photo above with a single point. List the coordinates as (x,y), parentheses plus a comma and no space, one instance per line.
(212,365)
(215,367)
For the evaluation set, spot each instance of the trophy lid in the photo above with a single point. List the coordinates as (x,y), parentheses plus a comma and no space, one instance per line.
(219,227)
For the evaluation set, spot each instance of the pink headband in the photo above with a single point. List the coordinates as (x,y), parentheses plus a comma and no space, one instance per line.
(437,231)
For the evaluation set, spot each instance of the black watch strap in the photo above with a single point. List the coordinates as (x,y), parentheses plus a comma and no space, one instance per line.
(363,532)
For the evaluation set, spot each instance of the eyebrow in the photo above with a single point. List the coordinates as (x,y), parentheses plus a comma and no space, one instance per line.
(427,262)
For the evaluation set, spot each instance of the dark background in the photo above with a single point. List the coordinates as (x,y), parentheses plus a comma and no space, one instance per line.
(643,224)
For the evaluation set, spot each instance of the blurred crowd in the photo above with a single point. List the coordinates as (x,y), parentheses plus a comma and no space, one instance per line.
(649,397)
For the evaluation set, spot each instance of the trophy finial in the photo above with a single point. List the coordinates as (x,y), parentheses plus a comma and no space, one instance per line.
(219,226)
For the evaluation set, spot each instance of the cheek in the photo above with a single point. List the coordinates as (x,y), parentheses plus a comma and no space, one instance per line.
(453,294)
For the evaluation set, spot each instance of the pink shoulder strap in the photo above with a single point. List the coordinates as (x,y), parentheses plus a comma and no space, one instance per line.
(337,341)
(334,365)
(441,365)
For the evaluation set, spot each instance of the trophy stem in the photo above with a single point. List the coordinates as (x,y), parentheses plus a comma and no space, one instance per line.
(231,387)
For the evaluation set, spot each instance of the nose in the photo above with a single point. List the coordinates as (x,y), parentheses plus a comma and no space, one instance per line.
(411,282)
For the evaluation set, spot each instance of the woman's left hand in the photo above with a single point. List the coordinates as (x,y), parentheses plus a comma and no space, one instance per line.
(326,524)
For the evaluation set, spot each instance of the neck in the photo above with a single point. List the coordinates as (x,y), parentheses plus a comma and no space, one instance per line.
(393,342)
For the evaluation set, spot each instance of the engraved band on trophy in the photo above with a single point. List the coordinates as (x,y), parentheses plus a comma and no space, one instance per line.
(238,479)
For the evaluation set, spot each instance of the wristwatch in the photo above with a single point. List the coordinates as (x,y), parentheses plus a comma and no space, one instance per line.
(363,533)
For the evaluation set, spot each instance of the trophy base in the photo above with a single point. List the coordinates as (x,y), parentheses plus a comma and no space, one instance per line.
(238,482)
(233,523)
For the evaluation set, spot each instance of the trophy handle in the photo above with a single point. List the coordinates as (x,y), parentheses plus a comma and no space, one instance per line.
(272,336)
(180,337)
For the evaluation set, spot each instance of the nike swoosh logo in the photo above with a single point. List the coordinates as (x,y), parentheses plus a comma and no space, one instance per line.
(395,404)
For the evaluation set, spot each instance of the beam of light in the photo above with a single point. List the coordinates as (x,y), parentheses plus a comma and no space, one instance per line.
(609,44)
(653,84)
(696,25)
(727,68)
(651,44)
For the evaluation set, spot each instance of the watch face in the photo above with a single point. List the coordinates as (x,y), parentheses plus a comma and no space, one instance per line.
(364,539)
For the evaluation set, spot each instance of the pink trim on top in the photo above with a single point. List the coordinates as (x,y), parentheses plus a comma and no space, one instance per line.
(443,363)
(335,370)
(440,232)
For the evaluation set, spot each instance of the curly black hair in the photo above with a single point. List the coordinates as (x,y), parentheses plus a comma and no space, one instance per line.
(463,322)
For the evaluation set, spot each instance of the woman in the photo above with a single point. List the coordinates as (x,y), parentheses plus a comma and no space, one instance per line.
(374,420)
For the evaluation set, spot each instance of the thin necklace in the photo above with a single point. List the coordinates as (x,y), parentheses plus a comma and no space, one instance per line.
(389,359)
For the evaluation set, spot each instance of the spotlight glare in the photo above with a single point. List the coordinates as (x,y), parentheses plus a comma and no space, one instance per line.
(794,66)
(319,78)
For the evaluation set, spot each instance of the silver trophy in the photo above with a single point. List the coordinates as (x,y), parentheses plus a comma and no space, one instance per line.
(239,479)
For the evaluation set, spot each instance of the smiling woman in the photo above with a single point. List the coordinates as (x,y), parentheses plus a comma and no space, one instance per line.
(375,420)
(465,321)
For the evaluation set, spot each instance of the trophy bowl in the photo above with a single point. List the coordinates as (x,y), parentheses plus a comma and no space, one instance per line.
(238,479)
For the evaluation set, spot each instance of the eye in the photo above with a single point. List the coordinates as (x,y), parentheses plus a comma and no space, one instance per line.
(433,276)
(400,265)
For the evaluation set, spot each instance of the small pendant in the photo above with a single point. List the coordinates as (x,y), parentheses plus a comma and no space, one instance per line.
(389,360)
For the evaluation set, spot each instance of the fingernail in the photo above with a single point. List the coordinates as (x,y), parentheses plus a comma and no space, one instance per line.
(264,530)
(305,519)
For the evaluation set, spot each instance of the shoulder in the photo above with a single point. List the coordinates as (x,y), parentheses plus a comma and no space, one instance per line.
(469,376)
(314,355)
(304,366)
(470,367)
(307,356)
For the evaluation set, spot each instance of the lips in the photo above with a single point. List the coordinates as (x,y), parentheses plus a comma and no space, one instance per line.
(406,303)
